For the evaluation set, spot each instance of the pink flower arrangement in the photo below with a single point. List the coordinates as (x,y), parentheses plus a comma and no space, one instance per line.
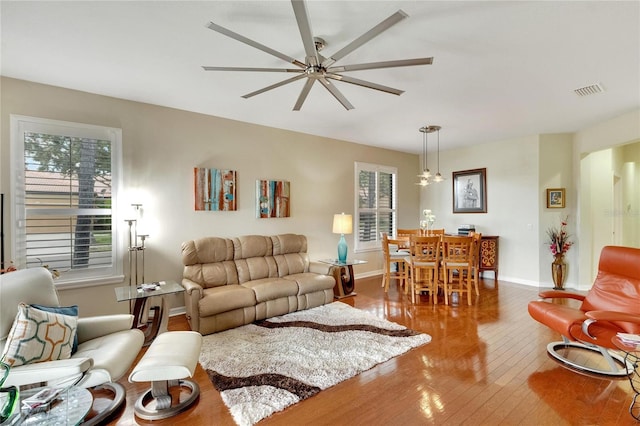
(559,242)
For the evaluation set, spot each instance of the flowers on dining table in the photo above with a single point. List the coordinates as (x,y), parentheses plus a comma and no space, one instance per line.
(559,240)
(428,216)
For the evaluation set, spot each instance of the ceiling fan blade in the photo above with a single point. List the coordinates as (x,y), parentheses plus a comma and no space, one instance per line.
(369,35)
(302,17)
(206,68)
(336,93)
(385,64)
(273,86)
(243,39)
(303,94)
(364,83)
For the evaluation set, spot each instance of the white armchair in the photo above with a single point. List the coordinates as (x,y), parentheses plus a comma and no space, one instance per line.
(107,345)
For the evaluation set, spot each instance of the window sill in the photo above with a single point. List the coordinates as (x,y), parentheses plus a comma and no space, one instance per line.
(89,282)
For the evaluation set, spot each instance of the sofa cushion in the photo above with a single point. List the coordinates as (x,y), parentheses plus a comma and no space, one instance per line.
(309,282)
(252,246)
(207,250)
(289,243)
(225,298)
(256,268)
(292,263)
(272,288)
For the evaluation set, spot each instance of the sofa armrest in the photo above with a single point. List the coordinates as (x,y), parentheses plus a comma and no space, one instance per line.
(193,292)
(560,294)
(191,287)
(320,268)
(93,327)
(60,370)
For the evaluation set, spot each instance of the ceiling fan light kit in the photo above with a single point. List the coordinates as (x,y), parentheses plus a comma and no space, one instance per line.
(317,67)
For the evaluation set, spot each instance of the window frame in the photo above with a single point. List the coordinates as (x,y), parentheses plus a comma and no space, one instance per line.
(19,125)
(375,244)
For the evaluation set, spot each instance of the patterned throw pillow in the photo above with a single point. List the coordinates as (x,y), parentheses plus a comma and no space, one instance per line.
(64,310)
(38,336)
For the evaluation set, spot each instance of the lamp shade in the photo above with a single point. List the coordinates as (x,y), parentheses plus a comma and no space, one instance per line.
(342,224)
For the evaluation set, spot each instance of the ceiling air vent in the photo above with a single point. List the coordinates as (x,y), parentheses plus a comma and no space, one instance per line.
(589,90)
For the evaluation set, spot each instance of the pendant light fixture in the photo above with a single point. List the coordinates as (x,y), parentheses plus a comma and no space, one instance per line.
(425,177)
(438,177)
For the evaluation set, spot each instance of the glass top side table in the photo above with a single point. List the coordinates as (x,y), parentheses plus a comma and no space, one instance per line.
(343,274)
(632,361)
(141,297)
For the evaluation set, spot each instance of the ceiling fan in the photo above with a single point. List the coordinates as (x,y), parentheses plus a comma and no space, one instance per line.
(317,67)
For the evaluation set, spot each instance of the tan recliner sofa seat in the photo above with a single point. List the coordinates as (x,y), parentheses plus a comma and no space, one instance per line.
(231,282)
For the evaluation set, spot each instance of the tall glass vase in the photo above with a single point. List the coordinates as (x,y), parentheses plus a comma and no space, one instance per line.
(558,272)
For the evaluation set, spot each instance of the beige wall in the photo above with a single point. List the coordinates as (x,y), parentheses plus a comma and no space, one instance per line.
(161,146)
(512,201)
(556,171)
(599,151)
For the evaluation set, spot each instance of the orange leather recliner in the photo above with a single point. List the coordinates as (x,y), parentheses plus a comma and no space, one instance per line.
(612,305)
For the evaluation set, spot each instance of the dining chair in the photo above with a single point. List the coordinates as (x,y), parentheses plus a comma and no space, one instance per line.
(457,262)
(396,263)
(405,234)
(432,232)
(425,264)
(475,267)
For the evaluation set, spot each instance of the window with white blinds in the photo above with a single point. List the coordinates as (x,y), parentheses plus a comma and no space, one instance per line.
(376,204)
(66,182)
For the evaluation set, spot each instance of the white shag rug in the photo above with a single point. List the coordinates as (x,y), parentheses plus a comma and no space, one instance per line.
(264,367)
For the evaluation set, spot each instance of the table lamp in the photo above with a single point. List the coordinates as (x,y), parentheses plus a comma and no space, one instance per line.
(342,224)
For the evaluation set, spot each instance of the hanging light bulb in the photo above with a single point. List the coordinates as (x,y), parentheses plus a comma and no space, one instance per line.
(438,177)
(426,173)
(425,176)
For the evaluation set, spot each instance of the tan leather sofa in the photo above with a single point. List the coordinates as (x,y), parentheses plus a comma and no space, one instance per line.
(230,282)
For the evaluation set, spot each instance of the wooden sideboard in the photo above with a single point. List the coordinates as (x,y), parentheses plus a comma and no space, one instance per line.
(489,255)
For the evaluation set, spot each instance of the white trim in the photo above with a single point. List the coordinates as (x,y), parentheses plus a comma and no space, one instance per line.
(359,166)
(20,124)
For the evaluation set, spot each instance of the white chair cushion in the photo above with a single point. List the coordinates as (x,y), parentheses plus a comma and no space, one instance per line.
(163,362)
(112,356)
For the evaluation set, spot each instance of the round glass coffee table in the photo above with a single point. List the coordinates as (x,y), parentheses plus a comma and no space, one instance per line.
(70,408)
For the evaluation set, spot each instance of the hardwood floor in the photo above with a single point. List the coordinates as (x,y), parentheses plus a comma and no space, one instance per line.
(487,364)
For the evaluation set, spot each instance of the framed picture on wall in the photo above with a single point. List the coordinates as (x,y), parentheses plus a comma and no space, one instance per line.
(214,189)
(470,191)
(555,198)
(273,198)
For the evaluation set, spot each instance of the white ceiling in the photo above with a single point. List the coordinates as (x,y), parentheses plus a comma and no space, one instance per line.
(502,69)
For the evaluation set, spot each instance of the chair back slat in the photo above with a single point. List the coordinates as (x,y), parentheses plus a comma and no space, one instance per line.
(425,249)
(456,249)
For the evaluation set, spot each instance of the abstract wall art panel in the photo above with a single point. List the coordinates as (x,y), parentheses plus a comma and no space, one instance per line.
(215,189)
(272,198)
